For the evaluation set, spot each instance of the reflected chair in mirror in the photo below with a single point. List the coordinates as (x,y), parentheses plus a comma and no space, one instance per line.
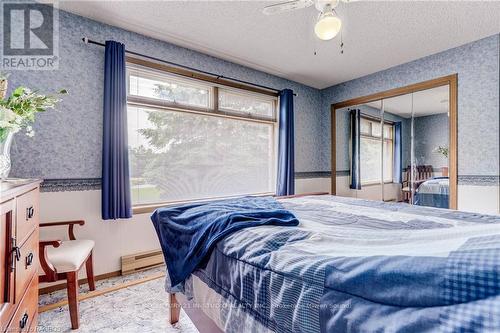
(422,173)
(62,259)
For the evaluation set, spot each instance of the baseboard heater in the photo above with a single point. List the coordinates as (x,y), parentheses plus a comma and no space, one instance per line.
(141,261)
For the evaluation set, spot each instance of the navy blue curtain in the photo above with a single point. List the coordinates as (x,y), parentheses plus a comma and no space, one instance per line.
(398,154)
(116,202)
(355,116)
(286,177)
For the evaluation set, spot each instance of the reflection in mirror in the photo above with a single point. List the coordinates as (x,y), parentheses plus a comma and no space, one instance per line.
(370,151)
(359,151)
(430,147)
(420,146)
(395,149)
(398,111)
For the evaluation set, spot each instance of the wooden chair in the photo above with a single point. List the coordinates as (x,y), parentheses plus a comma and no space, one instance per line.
(422,173)
(61,260)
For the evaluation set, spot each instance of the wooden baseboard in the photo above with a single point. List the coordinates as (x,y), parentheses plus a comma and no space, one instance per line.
(61,286)
(100,292)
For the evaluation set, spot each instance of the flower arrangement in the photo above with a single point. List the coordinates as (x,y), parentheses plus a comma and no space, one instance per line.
(18,111)
(442,150)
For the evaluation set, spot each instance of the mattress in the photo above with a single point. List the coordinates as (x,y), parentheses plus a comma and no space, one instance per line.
(357,266)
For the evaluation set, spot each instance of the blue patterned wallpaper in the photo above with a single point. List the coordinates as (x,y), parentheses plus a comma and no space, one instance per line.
(430,133)
(477,65)
(67,143)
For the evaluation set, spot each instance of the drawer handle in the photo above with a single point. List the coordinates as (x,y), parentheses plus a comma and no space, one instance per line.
(30,212)
(29,259)
(17,253)
(23,321)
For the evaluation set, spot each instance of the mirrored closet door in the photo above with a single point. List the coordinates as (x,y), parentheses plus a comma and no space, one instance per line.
(397,148)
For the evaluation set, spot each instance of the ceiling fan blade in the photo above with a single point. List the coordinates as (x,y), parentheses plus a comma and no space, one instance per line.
(287,6)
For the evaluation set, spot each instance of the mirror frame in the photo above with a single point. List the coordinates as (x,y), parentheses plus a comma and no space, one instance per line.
(451,80)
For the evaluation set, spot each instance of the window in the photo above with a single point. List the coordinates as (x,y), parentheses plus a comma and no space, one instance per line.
(371,151)
(246,104)
(183,145)
(170,89)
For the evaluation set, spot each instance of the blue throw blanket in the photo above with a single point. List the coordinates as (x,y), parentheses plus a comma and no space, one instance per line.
(188,233)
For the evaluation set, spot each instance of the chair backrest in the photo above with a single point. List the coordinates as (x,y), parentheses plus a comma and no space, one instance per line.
(422,172)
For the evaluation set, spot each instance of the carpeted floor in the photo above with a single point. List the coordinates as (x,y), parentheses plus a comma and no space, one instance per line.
(140,308)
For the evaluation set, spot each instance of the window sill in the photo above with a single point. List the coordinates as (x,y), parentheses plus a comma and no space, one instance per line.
(149,208)
(143,209)
(373,184)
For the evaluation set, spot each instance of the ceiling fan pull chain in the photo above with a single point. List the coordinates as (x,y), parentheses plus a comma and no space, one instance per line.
(341,44)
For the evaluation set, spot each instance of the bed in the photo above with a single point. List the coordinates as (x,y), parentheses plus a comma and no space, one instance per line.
(353,265)
(433,193)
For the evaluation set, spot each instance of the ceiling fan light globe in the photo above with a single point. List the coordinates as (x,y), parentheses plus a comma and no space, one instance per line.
(327,27)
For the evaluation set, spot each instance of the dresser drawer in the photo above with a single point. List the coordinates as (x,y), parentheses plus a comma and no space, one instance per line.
(27,265)
(27,215)
(27,310)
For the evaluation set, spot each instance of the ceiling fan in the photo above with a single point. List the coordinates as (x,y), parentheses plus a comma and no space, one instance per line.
(328,24)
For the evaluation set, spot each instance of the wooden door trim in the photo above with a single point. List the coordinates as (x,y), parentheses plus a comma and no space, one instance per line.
(452,81)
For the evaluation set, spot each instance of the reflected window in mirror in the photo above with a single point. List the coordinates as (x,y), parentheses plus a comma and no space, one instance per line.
(370,151)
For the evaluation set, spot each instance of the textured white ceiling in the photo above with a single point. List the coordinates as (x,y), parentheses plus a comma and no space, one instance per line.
(377,35)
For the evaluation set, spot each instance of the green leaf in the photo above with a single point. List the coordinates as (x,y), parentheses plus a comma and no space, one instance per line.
(3,134)
(18,91)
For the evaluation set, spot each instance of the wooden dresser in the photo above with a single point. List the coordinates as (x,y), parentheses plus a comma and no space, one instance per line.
(19,219)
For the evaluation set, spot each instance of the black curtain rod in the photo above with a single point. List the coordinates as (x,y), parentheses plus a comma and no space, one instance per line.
(89,41)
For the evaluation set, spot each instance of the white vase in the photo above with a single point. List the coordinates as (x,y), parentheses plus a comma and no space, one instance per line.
(5,155)
(3,88)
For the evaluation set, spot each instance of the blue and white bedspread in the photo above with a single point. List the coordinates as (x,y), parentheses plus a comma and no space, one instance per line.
(433,193)
(362,266)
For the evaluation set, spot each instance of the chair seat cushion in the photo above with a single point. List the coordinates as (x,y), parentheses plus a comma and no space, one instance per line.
(70,255)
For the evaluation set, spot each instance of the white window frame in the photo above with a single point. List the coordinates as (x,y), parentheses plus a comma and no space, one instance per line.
(378,140)
(212,110)
(157,75)
(258,97)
